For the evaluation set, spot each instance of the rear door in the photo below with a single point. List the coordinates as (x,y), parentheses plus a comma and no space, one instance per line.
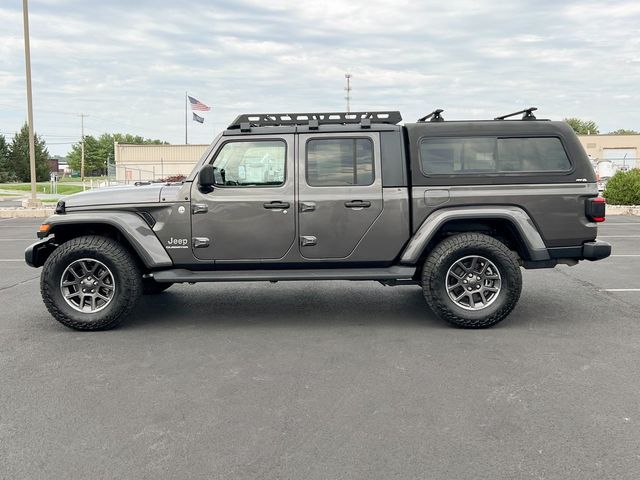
(249,214)
(340,192)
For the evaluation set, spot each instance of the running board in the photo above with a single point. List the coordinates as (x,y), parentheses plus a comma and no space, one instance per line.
(178,275)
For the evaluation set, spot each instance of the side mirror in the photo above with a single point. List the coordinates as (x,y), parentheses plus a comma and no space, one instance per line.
(206,177)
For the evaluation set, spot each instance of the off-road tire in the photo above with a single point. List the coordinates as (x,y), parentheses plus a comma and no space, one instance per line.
(127,279)
(151,287)
(451,250)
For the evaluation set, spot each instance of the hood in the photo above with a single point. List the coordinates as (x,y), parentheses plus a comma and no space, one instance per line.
(116,196)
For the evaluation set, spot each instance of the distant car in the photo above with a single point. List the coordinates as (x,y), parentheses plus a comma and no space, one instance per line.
(602,185)
(605,170)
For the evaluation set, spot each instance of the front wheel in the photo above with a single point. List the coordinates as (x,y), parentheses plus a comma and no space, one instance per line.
(90,283)
(472,280)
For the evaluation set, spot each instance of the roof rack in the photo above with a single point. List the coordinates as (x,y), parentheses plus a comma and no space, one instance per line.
(246,121)
(527,114)
(434,116)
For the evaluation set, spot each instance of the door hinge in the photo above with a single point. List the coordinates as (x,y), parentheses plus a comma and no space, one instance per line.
(199,208)
(200,242)
(308,240)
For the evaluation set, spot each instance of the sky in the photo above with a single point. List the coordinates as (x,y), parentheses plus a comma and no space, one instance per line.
(127,64)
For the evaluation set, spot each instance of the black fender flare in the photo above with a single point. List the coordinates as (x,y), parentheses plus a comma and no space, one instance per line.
(533,243)
(131,225)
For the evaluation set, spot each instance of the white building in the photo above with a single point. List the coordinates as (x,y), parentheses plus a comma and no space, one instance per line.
(623,151)
(154,162)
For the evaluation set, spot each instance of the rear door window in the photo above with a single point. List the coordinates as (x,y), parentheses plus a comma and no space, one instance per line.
(334,162)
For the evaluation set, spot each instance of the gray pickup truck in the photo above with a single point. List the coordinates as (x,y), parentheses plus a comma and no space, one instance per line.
(456,207)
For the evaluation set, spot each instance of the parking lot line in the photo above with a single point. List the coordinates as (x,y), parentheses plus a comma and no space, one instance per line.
(620,289)
(625,255)
(11,259)
(618,236)
(17,239)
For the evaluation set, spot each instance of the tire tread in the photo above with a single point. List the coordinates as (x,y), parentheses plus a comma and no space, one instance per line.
(131,281)
(449,246)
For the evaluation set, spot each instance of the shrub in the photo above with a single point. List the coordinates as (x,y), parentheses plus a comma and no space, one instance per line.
(624,188)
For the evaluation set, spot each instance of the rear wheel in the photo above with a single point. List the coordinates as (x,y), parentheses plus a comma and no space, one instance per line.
(472,280)
(90,283)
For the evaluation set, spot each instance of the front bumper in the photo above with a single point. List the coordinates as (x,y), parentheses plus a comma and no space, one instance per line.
(35,255)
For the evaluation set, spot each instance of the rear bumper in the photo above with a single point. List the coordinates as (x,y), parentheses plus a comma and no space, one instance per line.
(596,250)
(593,250)
(35,255)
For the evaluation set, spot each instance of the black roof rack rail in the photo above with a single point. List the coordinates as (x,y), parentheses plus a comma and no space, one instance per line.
(246,121)
(527,114)
(434,116)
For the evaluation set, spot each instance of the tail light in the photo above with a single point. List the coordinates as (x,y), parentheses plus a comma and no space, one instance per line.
(595,209)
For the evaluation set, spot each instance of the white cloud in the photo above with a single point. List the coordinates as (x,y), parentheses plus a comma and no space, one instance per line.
(128,64)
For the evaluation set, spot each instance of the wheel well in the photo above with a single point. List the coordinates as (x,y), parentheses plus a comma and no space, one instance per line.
(500,229)
(64,233)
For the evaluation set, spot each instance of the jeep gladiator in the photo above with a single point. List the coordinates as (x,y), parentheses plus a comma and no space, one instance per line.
(455,207)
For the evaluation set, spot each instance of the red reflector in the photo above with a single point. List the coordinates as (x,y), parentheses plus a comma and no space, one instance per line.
(598,219)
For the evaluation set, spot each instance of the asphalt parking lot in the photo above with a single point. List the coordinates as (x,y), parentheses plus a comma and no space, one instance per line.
(329,380)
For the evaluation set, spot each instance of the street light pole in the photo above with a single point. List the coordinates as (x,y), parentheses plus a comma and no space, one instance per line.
(27,60)
(82,115)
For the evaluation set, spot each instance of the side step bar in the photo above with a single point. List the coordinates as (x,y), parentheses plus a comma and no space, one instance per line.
(178,275)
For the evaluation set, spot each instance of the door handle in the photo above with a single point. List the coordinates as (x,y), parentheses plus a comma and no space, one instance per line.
(357,204)
(307,206)
(276,205)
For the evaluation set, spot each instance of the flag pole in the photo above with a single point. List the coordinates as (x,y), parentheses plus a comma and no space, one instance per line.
(186,140)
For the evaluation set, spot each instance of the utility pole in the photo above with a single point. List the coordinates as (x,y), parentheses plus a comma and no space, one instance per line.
(33,201)
(82,115)
(348,90)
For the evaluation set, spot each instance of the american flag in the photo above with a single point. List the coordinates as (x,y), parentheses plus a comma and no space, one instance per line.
(198,105)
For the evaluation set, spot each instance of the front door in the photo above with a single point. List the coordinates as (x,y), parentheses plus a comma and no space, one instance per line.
(249,214)
(340,192)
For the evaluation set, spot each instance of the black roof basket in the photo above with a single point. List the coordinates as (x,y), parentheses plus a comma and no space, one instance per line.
(246,121)
(434,116)
(527,114)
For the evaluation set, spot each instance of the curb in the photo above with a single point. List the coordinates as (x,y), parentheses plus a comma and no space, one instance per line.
(26,213)
(623,210)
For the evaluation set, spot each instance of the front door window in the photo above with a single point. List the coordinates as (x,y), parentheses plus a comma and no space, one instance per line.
(251,164)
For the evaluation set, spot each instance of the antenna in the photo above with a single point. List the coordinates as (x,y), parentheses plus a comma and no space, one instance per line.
(348,76)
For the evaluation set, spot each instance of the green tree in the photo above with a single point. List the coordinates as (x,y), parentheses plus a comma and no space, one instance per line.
(5,174)
(583,127)
(624,131)
(94,163)
(18,162)
(98,150)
